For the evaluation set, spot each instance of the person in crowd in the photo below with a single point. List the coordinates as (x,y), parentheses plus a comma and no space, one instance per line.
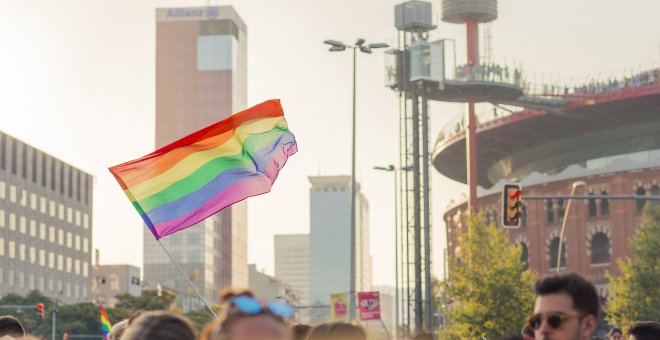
(644,330)
(566,308)
(424,336)
(338,331)
(300,331)
(246,318)
(10,326)
(135,315)
(615,334)
(159,325)
(118,330)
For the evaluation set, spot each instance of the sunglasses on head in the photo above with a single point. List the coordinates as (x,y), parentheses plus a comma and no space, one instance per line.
(252,306)
(553,319)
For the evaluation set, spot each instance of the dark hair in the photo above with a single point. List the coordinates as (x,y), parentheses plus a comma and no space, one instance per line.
(9,325)
(135,315)
(337,330)
(527,330)
(300,331)
(159,325)
(615,330)
(645,330)
(581,291)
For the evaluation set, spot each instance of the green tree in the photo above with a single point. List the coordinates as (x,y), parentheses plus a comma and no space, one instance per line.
(28,317)
(635,294)
(202,316)
(489,289)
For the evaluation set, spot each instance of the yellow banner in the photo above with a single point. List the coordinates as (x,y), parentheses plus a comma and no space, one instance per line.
(339,307)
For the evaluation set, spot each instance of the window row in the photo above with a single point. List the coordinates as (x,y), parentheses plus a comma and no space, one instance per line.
(37,166)
(44,206)
(9,278)
(50,233)
(51,260)
(599,251)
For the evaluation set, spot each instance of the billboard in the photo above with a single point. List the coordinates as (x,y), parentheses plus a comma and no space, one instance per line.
(339,307)
(369,303)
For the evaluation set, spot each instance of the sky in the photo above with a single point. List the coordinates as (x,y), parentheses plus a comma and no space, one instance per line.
(77,80)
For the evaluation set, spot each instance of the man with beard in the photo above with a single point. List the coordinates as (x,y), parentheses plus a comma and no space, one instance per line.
(566,308)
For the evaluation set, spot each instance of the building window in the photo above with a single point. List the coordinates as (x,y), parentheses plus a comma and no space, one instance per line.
(655,191)
(85,245)
(33,201)
(70,181)
(42,231)
(3,189)
(69,240)
(78,186)
(2,218)
(552,252)
(34,166)
(21,252)
(22,223)
(12,193)
(12,221)
(524,215)
(3,152)
(640,202)
(51,234)
(77,242)
(52,173)
(60,262)
(524,255)
(42,205)
(33,228)
(61,166)
(60,237)
(600,249)
(551,211)
(42,157)
(86,189)
(2,246)
(604,204)
(42,258)
(24,163)
(561,207)
(591,206)
(51,261)
(13,157)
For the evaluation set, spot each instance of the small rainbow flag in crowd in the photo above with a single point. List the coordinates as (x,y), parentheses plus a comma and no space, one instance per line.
(105,323)
(195,177)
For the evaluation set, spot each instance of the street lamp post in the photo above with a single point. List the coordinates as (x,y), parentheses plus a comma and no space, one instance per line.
(563,224)
(336,46)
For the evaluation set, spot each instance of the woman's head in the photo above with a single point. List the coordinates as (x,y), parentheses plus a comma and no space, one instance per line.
(337,331)
(159,326)
(245,318)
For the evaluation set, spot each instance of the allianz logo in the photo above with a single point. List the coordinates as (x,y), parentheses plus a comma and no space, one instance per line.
(210,12)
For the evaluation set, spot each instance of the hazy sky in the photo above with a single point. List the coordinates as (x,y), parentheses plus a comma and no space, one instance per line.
(77,81)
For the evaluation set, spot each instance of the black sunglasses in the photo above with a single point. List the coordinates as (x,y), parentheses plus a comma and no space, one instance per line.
(554,320)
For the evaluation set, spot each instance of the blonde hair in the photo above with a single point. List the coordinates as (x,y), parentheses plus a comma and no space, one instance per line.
(159,325)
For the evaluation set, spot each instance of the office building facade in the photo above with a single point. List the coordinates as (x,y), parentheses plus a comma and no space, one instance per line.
(115,279)
(201,78)
(292,267)
(330,239)
(45,224)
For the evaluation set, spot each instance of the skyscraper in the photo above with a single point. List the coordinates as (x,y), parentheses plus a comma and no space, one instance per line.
(45,224)
(201,78)
(329,242)
(292,267)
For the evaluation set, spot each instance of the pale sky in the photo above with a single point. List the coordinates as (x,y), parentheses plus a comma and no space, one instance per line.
(77,81)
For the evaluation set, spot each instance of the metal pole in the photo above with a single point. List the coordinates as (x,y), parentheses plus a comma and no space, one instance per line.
(187,279)
(54,321)
(396,255)
(427,214)
(353,193)
(417,214)
(471,149)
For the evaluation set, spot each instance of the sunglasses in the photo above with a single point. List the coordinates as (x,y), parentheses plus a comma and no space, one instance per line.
(252,306)
(554,320)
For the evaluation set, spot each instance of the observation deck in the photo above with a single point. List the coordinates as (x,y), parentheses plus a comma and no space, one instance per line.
(548,131)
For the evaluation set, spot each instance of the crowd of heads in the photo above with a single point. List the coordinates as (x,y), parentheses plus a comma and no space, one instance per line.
(566,308)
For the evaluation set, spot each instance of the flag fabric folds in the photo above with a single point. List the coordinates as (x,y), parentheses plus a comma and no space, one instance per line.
(193,178)
(106,327)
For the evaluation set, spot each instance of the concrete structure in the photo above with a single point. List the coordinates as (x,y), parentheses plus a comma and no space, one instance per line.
(45,224)
(387,310)
(614,148)
(201,78)
(269,288)
(112,280)
(292,267)
(329,242)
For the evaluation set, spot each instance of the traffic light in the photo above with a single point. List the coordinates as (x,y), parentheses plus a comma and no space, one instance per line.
(40,311)
(512,210)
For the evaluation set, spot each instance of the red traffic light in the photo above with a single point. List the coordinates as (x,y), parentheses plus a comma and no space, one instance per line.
(511,206)
(40,310)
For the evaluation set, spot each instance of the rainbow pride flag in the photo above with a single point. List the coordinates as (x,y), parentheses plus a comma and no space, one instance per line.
(193,178)
(106,327)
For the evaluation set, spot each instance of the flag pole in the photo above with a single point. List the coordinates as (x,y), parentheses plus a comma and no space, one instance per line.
(187,279)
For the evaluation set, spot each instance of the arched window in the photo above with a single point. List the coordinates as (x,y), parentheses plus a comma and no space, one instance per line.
(655,191)
(551,211)
(592,206)
(524,255)
(561,208)
(604,204)
(554,245)
(524,215)
(600,249)
(640,202)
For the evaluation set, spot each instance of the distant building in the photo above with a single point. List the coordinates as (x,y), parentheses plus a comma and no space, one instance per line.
(292,267)
(45,224)
(269,288)
(387,310)
(112,280)
(330,239)
(201,78)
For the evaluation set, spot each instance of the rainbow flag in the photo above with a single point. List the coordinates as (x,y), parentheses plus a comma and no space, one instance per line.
(193,178)
(105,323)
